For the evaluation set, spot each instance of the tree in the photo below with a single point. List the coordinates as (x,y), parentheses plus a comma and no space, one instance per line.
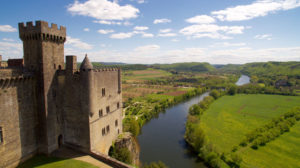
(232,90)
(158,164)
(215,94)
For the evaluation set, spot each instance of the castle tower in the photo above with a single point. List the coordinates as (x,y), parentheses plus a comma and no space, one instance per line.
(44,53)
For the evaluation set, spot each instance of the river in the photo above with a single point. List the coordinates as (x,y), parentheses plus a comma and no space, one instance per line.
(162,137)
(243,80)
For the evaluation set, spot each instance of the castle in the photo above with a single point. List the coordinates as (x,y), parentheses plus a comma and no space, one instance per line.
(45,102)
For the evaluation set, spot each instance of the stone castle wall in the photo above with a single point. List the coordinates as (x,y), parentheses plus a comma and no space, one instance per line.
(18,111)
(107,79)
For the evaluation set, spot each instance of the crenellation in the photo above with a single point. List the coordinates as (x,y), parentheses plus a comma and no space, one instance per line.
(53,105)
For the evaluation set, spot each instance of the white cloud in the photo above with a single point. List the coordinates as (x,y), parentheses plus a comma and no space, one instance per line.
(147,35)
(256,9)
(7,28)
(201,19)
(127,23)
(8,39)
(121,35)
(263,37)
(141,28)
(167,34)
(165,30)
(107,22)
(140,1)
(11,50)
(227,44)
(103,10)
(75,42)
(86,29)
(147,48)
(211,31)
(105,31)
(156,21)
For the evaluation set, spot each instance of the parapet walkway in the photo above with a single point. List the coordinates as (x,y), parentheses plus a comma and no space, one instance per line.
(71,154)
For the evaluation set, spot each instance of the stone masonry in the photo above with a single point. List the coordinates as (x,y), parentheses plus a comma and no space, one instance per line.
(44,104)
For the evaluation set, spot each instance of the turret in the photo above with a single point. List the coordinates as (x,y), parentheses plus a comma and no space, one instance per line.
(35,39)
(86,64)
(87,86)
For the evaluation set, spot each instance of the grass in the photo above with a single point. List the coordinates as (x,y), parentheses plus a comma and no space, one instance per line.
(231,117)
(143,75)
(41,161)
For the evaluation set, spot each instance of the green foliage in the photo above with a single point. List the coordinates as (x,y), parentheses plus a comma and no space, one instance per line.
(121,154)
(131,125)
(232,90)
(158,164)
(186,67)
(215,94)
(272,130)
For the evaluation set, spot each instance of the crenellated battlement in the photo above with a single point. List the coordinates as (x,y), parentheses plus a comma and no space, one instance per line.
(42,31)
(14,81)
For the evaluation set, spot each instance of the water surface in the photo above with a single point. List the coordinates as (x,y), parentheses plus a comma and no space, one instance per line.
(162,138)
(243,80)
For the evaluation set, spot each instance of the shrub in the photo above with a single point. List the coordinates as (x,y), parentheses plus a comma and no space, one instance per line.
(158,164)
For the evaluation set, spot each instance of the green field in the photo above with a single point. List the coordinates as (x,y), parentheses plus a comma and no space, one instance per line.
(53,162)
(231,117)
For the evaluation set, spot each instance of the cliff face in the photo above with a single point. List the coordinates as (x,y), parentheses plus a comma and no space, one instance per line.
(126,140)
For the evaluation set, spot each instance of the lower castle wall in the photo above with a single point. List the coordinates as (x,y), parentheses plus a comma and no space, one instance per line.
(18,119)
(76,128)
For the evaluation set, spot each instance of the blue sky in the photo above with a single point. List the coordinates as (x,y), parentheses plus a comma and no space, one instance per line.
(163,31)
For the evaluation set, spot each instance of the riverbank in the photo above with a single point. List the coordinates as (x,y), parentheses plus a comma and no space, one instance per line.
(162,138)
(234,118)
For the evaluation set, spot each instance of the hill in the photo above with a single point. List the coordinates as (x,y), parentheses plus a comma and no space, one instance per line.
(186,67)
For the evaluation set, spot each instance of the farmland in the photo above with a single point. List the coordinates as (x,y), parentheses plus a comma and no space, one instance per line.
(232,117)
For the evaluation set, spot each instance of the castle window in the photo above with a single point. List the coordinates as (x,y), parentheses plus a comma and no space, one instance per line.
(54,66)
(1,135)
(118,105)
(107,129)
(100,113)
(103,91)
(103,131)
(59,67)
(116,123)
(107,109)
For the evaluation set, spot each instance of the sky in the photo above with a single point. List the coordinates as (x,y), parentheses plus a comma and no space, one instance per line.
(162,31)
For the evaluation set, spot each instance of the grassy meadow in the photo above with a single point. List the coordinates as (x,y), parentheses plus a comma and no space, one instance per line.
(230,118)
(41,161)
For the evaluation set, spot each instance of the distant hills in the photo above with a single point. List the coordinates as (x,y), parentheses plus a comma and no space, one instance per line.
(258,68)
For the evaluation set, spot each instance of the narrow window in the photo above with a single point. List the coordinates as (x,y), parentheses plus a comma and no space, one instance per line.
(118,131)
(103,131)
(118,105)
(103,91)
(54,66)
(116,123)
(107,129)
(1,135)
(100,113)
(107,109)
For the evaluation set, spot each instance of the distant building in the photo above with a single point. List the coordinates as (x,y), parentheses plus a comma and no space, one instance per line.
(44,104)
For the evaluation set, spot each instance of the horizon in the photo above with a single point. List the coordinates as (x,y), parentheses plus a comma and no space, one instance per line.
(144,32)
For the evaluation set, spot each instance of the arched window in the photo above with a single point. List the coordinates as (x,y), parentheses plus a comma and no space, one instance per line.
(118,105)
(116,123)
(107,109)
